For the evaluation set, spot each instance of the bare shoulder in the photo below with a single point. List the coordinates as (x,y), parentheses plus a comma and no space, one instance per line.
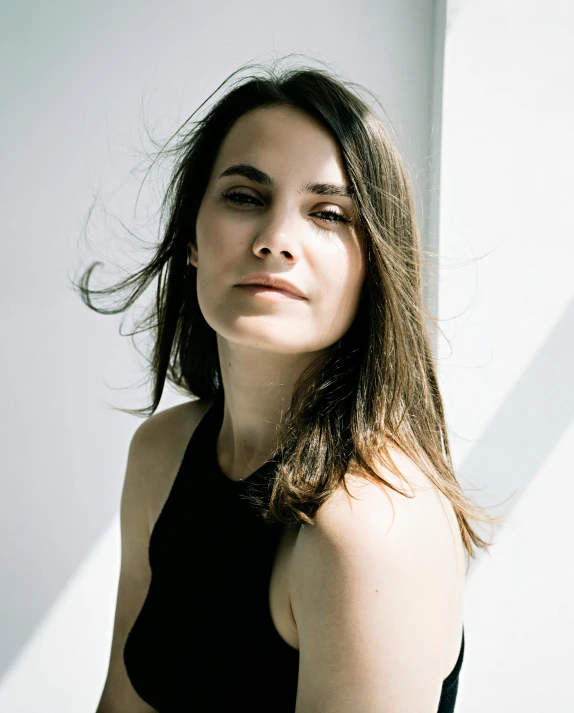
(158,434)
(160,442)
(373,528)
(375,590)
(418,515)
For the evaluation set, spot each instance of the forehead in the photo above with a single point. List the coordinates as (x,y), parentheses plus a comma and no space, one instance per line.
(283,138)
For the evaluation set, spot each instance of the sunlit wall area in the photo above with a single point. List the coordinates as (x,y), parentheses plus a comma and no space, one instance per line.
(507,310)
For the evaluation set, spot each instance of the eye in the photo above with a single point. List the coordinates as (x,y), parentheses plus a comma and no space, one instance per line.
(247,199)
(239,198)
(334,217)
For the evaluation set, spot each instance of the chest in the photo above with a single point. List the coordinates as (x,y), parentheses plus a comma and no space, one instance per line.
(208,609)
(227,562)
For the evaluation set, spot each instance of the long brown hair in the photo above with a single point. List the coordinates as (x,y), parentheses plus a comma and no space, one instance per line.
(377,387)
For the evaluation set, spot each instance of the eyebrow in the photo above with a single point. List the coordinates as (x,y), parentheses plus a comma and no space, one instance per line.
(258,176)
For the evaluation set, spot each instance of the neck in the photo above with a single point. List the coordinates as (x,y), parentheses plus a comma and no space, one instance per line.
(258,387)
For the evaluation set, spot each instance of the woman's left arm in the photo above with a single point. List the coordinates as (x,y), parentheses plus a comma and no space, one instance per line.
(370,591)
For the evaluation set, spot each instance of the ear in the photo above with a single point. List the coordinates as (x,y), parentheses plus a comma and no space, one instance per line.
(192,253)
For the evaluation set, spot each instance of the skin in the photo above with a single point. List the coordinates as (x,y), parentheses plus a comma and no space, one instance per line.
(264,344)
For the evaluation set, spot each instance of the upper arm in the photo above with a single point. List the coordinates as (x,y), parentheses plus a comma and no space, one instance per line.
(118,694)
(370,587)
(153,458)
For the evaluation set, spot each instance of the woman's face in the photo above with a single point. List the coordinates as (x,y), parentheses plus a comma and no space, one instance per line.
(274,215)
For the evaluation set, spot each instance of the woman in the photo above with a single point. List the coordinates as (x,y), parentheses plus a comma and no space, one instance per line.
(293,537)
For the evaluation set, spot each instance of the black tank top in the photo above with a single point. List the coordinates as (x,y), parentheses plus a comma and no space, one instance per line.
(204,638)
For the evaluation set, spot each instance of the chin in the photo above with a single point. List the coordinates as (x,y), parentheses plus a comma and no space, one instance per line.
(264,340)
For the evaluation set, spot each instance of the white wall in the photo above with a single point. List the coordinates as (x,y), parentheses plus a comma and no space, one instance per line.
(506,194)
(74,78)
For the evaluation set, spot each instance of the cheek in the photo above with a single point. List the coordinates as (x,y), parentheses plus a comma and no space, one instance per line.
(341,275)
(219,248)
(218,242)
(207,230)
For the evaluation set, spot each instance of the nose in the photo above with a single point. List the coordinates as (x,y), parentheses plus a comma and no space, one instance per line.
(278,235)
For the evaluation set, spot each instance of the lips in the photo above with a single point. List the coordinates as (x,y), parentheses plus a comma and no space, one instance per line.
(272,281)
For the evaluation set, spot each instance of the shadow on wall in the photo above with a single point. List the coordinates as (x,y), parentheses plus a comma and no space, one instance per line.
(529,423)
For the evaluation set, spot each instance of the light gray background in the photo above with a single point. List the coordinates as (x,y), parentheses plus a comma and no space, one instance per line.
(76,79)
